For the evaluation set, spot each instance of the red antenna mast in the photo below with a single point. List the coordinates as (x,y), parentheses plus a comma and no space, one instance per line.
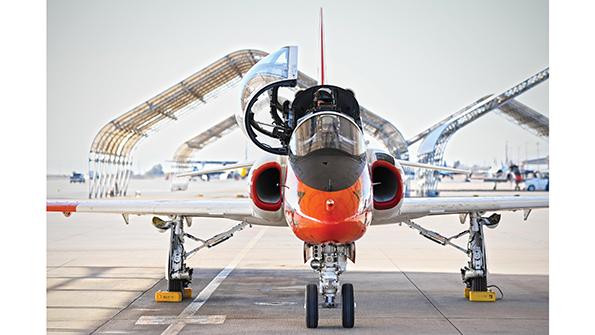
(321,49)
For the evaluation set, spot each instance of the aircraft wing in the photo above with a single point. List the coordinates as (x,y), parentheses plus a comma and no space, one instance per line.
(431,167)
(237,209)
(418,207)
(494,180)
(217,169)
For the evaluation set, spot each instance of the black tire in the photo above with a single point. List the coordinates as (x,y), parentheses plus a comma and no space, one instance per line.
(311,306)
(531,188)
(479,284)
(348,305)
(547,187)
(175,285)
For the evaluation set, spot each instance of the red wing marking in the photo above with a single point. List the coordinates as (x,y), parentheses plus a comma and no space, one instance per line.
(61,206)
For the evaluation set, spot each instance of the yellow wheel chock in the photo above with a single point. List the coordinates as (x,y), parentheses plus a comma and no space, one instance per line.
(187,292)
(480,296)
(167,296)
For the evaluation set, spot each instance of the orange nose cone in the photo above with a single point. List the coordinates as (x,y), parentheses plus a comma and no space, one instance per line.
(329,216)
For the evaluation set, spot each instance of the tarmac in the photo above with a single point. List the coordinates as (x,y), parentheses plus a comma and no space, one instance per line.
(102,274)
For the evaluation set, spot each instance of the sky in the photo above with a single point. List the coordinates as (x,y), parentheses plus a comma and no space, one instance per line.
(411,62)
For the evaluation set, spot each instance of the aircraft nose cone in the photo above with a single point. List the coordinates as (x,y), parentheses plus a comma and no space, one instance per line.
(330,204)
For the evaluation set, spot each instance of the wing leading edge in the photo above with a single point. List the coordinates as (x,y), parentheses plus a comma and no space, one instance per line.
(418,207)
(241,210)
(231,209)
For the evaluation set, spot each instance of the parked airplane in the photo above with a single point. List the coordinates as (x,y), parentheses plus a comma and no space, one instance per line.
(319,179)
(505,174)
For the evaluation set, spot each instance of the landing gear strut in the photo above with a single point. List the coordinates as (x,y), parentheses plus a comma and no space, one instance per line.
(177,272)
(475,274)
(329,260)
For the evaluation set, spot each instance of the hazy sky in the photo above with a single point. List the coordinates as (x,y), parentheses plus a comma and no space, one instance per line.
(412,62)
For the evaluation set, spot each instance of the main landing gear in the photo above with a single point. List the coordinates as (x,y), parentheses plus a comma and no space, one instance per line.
(329,260)
(475,274)
(177,272)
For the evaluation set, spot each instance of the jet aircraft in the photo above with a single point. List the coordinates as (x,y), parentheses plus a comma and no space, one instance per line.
(319,179)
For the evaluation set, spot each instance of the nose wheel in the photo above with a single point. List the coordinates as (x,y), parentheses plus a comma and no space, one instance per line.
(347,306)
(311,306)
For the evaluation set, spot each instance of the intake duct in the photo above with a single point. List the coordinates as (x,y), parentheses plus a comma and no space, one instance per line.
(387,185)
(265,186)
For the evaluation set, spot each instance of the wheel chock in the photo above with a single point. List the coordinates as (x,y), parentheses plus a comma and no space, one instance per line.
(482,296)
(467,292)
(187,292)
(167,296)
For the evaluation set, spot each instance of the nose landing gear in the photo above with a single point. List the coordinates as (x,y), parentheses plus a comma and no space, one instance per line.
(311,306)
(330,260)
(348,305)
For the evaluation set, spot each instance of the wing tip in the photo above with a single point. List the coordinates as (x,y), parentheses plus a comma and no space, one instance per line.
(61,206)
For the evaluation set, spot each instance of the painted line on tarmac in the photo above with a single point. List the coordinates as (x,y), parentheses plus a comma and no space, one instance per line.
(169,319)
(176,324)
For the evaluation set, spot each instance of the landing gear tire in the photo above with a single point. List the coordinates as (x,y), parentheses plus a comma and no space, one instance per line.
(311,306)
(479,284)
(175,285)
(348,305)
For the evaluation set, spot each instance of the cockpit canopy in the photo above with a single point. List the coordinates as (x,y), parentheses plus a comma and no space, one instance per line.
(326,130)
(269,116)
(327,151)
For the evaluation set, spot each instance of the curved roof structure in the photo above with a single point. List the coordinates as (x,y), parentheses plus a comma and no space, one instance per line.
(188,148)
(432,148)
(385,132)
(526,117)
(110,154)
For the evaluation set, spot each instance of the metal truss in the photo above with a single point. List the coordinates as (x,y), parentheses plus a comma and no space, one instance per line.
(187,149)
(526,117)
(436,137)
(110,156)
(385,132)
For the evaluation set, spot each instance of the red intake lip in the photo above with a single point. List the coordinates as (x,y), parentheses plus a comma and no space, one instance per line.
(398,195)
(267,206)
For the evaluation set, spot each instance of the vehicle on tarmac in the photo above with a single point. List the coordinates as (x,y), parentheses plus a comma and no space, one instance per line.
(76,177)
(319,179)
(538,183)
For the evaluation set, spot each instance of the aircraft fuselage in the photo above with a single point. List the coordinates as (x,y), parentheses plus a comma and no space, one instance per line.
(328,188)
